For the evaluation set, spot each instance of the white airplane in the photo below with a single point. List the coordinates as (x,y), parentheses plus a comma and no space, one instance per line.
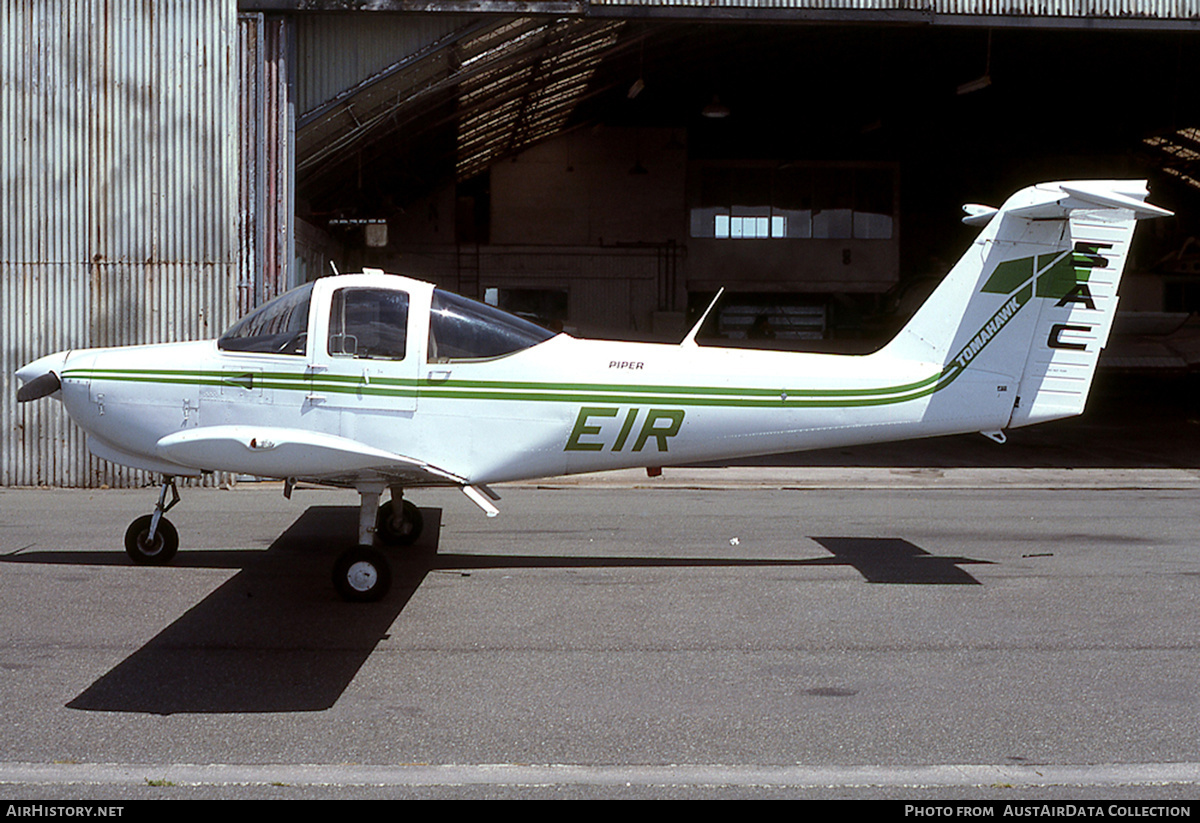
(379,382)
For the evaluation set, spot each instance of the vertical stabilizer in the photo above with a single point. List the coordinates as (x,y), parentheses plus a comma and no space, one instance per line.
(1030,305)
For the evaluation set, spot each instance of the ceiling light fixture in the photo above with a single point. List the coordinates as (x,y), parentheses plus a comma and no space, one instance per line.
(975,85)
(715,110)
(984,81)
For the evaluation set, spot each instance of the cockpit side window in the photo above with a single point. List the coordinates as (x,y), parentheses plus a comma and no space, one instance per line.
(464,329)
(278,327)
(368,324)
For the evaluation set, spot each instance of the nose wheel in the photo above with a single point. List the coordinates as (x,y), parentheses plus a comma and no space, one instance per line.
(360,575)
(152,540)
(151,549)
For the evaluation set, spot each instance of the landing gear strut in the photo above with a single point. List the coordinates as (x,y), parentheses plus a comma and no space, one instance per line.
(151,540)
(361,574)
(399,522)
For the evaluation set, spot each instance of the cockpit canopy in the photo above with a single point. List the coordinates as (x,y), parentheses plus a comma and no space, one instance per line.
(462,329)
(372,322)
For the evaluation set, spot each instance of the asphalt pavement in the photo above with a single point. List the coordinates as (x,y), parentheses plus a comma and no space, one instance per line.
(951,619)
(1131,421)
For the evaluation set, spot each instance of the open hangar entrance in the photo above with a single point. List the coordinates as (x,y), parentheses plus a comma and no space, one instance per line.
(607,174)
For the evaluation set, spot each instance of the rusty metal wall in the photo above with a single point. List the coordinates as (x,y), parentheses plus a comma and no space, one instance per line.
(118,190)
(266,148)
(1138,12)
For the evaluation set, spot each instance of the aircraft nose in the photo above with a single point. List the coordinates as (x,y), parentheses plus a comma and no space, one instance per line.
(41,377)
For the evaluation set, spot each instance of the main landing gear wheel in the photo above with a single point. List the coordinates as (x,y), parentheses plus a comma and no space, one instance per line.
(151,552)
(362,575)
(399,531)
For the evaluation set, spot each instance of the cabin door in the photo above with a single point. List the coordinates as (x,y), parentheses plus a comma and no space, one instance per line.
(366,361)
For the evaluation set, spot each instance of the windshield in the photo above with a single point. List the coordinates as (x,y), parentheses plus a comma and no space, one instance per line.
(277,327)
(461,328)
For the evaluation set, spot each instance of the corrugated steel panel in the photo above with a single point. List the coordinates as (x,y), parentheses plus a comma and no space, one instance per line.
(340,51)
(1156,9)
(118,162)
(1146,9)
(265,150)
(389,100)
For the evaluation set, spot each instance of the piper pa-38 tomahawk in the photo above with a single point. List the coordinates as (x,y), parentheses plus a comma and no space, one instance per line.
(379,382)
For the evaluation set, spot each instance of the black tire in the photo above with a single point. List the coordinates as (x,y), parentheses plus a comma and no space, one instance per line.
(157,552)
(403,534)
(362,575)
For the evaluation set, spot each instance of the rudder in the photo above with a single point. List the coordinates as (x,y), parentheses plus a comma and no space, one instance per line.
(1075,317)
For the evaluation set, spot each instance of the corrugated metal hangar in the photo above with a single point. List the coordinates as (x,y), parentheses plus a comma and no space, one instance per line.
(598,165)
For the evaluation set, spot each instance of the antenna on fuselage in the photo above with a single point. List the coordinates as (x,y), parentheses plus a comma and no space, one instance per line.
(333,266)
(690,340)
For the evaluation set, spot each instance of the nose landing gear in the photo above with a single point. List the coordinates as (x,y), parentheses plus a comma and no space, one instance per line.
(361,574)
(152,540)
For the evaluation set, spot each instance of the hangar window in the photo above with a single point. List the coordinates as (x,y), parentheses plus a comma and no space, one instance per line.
(368,323)
(545,307)
(277,327)
(462,329)
(820,202)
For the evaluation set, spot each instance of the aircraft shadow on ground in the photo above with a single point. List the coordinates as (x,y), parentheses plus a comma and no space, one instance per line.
(276,638)
(892,560)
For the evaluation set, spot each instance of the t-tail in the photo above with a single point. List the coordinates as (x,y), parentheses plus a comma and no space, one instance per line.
(1039,287)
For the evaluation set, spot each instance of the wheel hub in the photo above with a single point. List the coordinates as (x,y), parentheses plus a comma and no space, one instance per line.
(150,547)
(362,576)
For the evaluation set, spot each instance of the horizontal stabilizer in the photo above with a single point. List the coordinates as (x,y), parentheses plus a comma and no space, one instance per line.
(1111,199)
(978,215)
(1056,201)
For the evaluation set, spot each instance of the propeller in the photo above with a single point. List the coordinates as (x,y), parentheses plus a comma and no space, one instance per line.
(39,387)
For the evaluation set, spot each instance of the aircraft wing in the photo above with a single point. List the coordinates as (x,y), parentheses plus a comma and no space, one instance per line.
(267,451)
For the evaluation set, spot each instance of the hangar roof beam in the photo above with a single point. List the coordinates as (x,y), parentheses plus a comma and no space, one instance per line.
(1057,14)
(505,83)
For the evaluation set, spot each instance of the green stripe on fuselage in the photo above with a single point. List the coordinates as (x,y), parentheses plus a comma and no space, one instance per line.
(527,391)
(1018,272)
